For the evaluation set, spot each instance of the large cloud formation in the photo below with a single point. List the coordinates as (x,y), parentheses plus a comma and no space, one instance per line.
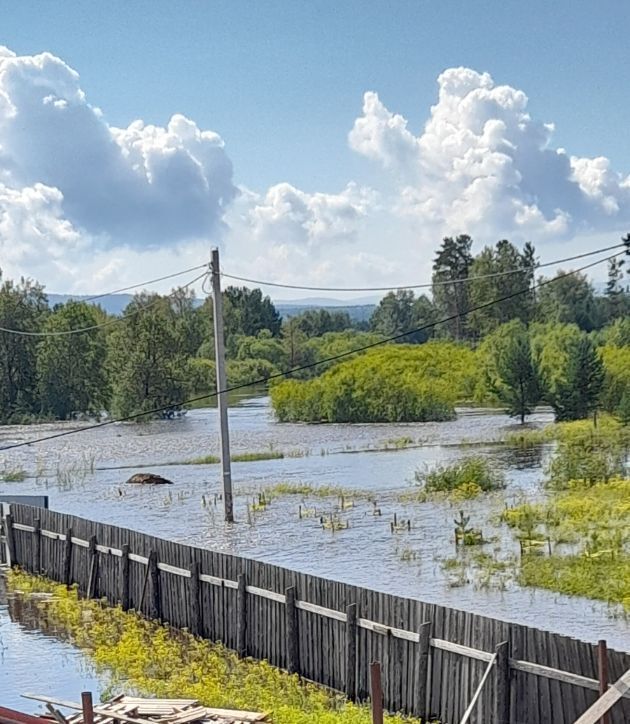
(483,166)
(84,205)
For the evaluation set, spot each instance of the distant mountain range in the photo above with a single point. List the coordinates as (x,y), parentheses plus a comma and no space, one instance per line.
(359,310)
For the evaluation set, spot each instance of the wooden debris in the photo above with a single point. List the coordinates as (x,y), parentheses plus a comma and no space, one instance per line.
(135,710)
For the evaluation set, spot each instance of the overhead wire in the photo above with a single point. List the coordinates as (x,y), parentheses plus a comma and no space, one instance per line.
(106,323)
(332,358)
(143,284)
(425,285)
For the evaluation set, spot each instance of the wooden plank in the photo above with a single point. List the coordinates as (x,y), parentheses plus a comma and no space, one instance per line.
(241,616)
(67,559)
(37,546)
(461,650)
(548,672)
(73,705)
(153,570)
(422,677)
(292,634)
(502,684)
(138,559)
(264,593)
(351,651)
(124,577)
(320,610)
(175,570)
(603,705)
(9,525)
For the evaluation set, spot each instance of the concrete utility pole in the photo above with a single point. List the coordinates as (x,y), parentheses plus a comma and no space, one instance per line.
(222,402)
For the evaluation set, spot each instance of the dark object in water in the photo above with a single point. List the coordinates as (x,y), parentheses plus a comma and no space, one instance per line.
(148,479)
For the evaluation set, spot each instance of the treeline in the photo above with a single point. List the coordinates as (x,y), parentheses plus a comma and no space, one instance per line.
(162,350)
(515,367)
(159,352)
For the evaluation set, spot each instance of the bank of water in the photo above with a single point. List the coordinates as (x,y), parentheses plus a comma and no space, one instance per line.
(35,660)
(82,474)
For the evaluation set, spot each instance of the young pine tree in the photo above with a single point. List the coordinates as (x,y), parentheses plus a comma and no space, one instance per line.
(578,394)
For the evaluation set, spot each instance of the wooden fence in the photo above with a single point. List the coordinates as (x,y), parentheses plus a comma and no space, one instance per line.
(433,658)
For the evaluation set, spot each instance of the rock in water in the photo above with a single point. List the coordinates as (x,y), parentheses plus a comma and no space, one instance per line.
(148,479)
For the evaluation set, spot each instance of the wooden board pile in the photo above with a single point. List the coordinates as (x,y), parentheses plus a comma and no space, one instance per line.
(134,710)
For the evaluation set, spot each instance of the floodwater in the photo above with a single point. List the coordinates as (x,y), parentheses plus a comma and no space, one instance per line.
(33,660)
(83,474)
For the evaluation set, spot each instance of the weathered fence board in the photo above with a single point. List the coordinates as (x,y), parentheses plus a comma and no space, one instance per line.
(432,658)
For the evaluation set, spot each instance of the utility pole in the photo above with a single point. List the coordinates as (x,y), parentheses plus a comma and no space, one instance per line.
(222,402)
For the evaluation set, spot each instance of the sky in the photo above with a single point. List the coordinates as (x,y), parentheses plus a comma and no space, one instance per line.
(316,143)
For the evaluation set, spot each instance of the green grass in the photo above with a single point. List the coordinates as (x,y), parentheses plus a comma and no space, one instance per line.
(312,491)
(245,457)
(13,474)
(462,479)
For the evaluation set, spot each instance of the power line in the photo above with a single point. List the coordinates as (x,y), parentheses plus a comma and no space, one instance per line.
(333,358)
(426,285)
(142,284)
(107,323)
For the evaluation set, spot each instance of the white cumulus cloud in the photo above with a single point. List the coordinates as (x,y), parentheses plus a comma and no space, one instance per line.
(484,166)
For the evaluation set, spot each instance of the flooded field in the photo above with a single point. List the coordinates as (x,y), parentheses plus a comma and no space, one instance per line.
(85,474)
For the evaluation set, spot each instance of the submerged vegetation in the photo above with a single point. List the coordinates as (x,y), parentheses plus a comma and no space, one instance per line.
(156,660)
(465,478)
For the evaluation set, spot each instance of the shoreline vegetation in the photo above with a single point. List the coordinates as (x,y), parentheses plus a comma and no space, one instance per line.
(144,657)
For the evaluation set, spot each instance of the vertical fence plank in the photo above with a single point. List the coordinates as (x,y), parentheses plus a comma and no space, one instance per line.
(10,533)
(351,651)
(196,621)
(602,670)
(376,692)
(90,589)
(156,594)
(293,649)
(67,559)
(37,546)
(422,679)
(502,684)
(241,616)
(124,577)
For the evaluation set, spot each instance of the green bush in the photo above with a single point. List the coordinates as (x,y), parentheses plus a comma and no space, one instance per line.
(396,383)
(472,474)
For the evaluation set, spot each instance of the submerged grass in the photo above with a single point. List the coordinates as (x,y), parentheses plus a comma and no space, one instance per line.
(595,520)
(159,661)
(466,478)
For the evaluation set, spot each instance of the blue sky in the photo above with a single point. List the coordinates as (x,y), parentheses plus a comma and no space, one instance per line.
(282,83)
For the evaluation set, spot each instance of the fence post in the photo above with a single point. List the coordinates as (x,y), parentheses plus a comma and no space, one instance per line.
(351,651)
(602,666)
(156,598)
(90,589)
(37,547)
(88,708)
(124,577)
(376,692)
(241,614)
(195,599)
(67,559)
(422,683)
(8,521)
(502,684)
(293,650)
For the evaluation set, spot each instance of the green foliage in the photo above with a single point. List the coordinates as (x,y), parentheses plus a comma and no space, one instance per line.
(467,477)
(577,395)
(390,384)
(490,266)
(247,311)
(317,322)
(509,369)
(22,306)
(617,376)
(400,312)
(451,297)
(148,366)
(595,519)
(569,300)
(71,368)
